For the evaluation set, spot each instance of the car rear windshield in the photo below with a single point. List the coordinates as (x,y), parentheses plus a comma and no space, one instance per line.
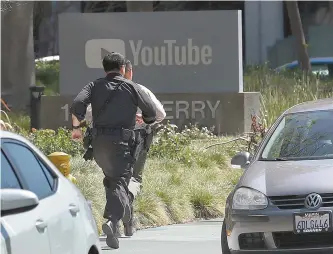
(301,136)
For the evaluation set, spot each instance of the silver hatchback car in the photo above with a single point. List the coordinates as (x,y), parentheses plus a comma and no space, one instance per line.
(283,202)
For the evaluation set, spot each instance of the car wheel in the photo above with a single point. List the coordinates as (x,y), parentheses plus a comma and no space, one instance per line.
(224,241)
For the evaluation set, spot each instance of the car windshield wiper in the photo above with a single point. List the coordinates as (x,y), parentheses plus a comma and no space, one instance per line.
(275,159)
(280,159)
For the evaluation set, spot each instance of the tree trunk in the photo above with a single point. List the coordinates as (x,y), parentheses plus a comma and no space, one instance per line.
(139,6)
(17,54)
(43,28)
(297,31)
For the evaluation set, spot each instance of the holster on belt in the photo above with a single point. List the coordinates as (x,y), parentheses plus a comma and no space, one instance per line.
(137,145)
(142,141)
(149,134)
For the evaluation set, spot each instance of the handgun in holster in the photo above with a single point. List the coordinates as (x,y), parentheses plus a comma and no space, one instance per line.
(137,144)
(148,137)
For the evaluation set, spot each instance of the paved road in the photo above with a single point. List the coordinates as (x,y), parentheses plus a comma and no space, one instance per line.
(193,238)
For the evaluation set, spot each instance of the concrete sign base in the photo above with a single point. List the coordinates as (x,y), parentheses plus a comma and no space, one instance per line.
(228,113)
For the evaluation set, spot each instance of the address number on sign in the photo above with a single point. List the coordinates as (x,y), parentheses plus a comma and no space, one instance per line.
(312,222)
(65,108)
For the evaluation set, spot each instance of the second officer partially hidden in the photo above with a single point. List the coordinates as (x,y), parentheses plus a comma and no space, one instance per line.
(114,102)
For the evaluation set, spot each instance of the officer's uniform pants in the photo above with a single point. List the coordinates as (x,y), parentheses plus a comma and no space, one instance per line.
(115,160)
(139,165)
(136,180)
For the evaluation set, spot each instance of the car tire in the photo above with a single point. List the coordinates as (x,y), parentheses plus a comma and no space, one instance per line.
(224,241)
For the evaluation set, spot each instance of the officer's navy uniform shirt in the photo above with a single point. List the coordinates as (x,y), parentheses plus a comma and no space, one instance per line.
(121,110)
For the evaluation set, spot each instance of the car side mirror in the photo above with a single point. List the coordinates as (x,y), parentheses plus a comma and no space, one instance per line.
(13,199)
(241,159)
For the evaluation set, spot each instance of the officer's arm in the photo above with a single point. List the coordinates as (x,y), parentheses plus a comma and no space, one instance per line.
(88,117)
(147,106)
(80,104)
(160,112)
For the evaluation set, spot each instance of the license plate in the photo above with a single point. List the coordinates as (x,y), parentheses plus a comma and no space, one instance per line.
(312,222)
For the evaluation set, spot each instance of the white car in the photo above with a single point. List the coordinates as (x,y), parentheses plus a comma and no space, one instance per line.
(42,212)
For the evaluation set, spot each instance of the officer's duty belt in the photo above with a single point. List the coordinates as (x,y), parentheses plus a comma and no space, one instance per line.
(123,134)
(143,130)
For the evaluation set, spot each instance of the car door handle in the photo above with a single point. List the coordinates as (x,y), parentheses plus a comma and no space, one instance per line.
(74,209)
(40,224)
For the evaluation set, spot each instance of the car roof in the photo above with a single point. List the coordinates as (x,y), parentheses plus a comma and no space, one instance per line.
(48,58)
(17,137)
(322,104)
(12,135)
(313,60)
(321,60)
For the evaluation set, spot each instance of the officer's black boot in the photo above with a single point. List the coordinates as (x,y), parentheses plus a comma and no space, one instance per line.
(129,228)
(110,228)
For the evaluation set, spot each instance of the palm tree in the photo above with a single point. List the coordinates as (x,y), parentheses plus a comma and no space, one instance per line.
(17,52)
(297,31)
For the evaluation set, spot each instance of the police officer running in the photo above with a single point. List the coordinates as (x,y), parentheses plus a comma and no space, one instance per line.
(114,101)
(144,134)
(141,125)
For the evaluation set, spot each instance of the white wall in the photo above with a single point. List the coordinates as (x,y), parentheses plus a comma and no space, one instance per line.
(263,26)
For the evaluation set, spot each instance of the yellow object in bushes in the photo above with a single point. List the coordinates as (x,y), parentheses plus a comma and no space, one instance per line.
(62,162)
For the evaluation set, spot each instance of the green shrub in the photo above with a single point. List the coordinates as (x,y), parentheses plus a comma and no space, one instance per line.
(20,121)
(175,145)
(168,142)
(47,74)
(49,141)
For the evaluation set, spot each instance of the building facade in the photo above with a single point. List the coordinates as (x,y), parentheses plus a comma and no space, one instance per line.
(264,22)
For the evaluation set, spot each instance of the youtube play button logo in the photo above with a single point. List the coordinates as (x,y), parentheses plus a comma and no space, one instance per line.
(96,49)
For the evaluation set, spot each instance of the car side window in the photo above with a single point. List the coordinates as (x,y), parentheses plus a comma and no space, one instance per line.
(8,177)
(30,169)
(48,175)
